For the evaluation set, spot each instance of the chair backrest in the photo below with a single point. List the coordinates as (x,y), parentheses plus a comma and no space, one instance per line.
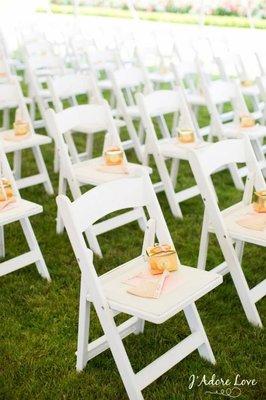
(218,93)
(6,172)
(71,85)
(220,154)
(135,192)
(44,63)
(11,92)
(129,77)
(261,82)
(96,117)
(162,102)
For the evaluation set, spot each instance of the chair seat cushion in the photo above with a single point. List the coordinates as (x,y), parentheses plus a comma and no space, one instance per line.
(23,209)
(171,148)
(192,284)
(161,77)
(231,130)
(86,172)
(235,213)
(25,143)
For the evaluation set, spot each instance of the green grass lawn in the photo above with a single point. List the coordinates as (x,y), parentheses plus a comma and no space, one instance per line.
(161,16)
(39,320)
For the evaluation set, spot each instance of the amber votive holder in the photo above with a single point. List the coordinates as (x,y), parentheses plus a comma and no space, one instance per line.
(247,122)
(246,83)
(186,135)
(260,201)
(162,257)
(6,190)
(21,128)
(113,156)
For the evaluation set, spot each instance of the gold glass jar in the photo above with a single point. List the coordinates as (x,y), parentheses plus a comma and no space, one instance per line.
(6,190)
(186,135)
(161,257)
(246,83)
(21,128)
(260,201)
(246,121)
(113,156)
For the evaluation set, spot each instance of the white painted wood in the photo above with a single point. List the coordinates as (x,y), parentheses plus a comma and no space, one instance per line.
(11,92)
(20,211)
(109,294)
(223,224)
(158,104)
(97,117)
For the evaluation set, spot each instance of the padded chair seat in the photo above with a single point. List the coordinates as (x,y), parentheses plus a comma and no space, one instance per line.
(105,84)
(192,284)
(231,130)
(172,148)
(27,142)
(133,111)
(158,77)
(235,213)
(23,209)
(250,90)
(86,172)
(196,99)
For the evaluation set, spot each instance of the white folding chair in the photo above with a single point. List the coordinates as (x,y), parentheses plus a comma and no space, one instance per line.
(156,65)
(261,82)
(127,82)
(69,87)
(19,212)
(226,91)
(234,67)
(109,295)
(38,69)
(159,104)
(11,93)
(231,236)
(77,173)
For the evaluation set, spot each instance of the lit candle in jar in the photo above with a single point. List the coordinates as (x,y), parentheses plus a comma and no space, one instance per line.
(246,121)
(260,201)
(113,156)
(186,135)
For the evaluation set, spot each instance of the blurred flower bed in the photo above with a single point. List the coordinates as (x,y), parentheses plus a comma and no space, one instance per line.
(212,7)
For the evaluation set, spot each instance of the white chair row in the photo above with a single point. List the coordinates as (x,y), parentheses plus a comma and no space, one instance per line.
(108,293)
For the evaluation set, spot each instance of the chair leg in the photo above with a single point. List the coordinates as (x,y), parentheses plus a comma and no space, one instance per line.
(196,325)
(34,246)
(240,282)
(6,119)
(2,242)
(168,186)
(17,164)
(119,353)
(83,328)
(174,170)
(42,169)
(141,325)
(93,242)
(239,248)
(62,187)
(236,176)
(141,132)
(204,243)
(89,146)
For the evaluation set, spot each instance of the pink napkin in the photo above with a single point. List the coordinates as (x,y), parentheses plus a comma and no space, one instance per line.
(113,169)
(8,205)
(10,136)
(170,283)
(254,221)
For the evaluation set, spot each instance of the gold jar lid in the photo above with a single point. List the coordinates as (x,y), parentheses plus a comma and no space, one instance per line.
(261,193)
